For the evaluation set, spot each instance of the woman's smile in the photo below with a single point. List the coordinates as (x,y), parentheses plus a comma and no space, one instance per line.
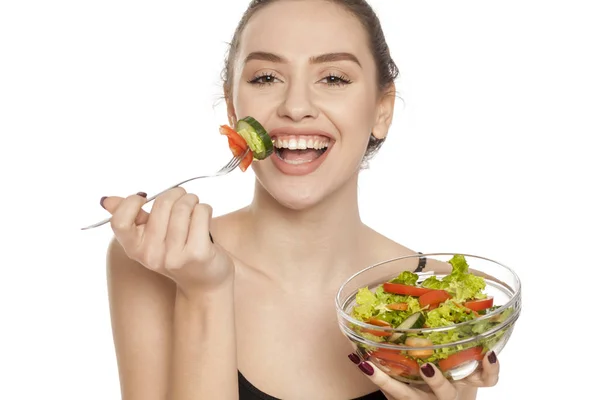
(300,151)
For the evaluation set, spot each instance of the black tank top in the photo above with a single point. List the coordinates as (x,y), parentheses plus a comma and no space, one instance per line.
(247,391)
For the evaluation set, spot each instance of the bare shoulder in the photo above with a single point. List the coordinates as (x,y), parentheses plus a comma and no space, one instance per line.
(385,248)
(228,231)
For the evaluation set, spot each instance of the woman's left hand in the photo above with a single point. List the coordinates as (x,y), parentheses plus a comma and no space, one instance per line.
(438,387)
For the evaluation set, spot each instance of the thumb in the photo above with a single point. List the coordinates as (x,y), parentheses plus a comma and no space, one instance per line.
(112,203)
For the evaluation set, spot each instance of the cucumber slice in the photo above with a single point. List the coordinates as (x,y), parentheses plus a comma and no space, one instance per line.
(414,321)
(256,136)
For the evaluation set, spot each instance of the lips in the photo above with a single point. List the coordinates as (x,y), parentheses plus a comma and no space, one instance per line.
(300,151)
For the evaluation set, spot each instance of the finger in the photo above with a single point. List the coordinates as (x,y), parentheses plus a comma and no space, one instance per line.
(123,221)
(158,222)
(441,387)
(391,387)
(199,235)
(179,223)
(491,370)
(111,203)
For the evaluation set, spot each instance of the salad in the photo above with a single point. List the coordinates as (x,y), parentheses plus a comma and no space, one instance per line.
(405,303)
(248,132)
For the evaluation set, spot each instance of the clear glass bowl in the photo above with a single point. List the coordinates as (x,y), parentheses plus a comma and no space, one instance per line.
(457,349)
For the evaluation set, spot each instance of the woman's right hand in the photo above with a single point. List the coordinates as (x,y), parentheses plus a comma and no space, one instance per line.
(172,240)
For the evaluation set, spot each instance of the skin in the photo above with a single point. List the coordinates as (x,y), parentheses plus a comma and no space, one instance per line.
(187,313)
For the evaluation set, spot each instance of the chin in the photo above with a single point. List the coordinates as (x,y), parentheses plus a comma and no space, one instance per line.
(295,196)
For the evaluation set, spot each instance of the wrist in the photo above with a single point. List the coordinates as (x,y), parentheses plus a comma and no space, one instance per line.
(203,296)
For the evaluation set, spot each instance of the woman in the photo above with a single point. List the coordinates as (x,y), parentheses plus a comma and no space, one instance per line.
(243,316)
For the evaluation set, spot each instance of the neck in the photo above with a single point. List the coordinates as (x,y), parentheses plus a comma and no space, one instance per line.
(317,243)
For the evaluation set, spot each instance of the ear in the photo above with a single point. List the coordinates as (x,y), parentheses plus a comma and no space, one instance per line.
(385,112)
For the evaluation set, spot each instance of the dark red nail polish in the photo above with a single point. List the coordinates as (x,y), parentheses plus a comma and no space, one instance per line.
(210,237)
(142,194)
(492,358)
(354,358)
(102,202)
(366,368)
(428,370)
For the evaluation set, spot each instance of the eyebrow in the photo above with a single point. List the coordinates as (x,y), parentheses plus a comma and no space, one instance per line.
(323,58)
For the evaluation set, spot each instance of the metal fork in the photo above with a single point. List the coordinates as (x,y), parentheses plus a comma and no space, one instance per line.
(230,166)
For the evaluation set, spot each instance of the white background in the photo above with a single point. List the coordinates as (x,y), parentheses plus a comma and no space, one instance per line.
(494,152)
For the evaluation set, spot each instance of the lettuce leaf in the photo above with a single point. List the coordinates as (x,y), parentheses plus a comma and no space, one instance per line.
(406,278)
(448,313)
(374,304)
(461,284)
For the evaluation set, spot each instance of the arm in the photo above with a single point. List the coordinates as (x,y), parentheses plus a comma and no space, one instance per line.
(204,364)
(169,346)
(141,309)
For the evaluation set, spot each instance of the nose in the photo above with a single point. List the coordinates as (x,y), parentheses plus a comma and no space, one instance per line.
(297,102)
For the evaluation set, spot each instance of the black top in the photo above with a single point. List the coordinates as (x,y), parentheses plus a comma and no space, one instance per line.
(248,391)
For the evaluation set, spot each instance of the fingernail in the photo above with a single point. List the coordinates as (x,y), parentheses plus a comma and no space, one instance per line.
(142,194)
(354,358)
(492,357)
(428,370)
(102,202)
(210,237)
(366,368)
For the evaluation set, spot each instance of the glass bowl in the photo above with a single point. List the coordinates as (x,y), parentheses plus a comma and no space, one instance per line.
(461,332)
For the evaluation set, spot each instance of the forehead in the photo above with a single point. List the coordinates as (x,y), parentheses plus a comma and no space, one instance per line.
(302,29)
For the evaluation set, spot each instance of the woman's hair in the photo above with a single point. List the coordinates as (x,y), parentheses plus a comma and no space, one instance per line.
(387,71)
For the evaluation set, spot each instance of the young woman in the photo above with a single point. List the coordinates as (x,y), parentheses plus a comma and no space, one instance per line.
(252,315)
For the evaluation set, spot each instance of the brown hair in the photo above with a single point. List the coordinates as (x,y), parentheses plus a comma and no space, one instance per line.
(387,71)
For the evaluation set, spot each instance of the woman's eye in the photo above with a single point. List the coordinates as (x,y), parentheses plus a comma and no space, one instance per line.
(266,79)
(336,80)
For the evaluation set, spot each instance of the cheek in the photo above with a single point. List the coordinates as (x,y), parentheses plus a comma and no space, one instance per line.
(353,114)
(260,104)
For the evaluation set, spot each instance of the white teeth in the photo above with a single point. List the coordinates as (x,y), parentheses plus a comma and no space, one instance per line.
(301,143)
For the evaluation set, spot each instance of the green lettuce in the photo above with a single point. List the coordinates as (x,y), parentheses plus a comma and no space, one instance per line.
(406,278)
(448,313)
(461,284)
(374,304)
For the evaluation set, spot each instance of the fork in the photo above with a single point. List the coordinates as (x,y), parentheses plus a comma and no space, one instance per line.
(230,166)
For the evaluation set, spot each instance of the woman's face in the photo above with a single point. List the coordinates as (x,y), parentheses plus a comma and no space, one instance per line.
(305,71)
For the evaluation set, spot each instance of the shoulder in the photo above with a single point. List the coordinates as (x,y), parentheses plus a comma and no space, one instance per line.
(227,228)
(383,248)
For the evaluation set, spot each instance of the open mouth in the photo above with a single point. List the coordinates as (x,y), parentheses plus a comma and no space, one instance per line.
(298,150)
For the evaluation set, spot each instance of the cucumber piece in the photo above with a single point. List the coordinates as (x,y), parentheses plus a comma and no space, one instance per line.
(256,136)
(414,321)
(397,338)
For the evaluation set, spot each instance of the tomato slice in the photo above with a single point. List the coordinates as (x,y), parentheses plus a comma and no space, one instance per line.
(377,322)
(456,359)
(433,298)
(234,136)
(235,149)
(405,290)
(398,306)
(237,145)
(398,363)
(246,161)
(478,305)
